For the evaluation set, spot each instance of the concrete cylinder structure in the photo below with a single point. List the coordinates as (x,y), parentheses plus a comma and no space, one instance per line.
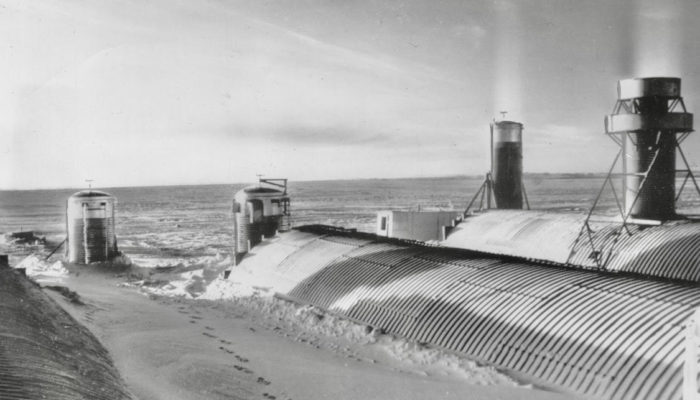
(648,125)
(259,212)
(90,227)
(507,164)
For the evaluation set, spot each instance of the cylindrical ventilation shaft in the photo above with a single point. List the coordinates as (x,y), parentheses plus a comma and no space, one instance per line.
(90,227)
(258,213)
(507,164)
(644,117)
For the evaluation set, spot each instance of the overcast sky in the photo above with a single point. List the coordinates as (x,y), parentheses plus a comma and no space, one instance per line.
(137,92)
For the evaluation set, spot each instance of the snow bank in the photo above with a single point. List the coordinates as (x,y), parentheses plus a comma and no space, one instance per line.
(38,268)
(120,261)
(242,282)
(256,275)
(313,326)
(438,362)
(46,272)
(253,284)
(188,279)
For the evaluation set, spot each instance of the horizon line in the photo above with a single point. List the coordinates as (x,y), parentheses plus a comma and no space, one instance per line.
(525,174)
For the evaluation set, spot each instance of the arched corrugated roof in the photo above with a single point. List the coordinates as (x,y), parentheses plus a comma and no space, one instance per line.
(90,193)
(670,250)
(601,334)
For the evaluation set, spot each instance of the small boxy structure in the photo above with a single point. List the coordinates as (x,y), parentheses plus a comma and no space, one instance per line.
(259,212)
(415,225)
(90,227)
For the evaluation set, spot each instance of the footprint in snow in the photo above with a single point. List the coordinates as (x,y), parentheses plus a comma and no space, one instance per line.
(263,381)
(207,334)
(242,369)
(241,359)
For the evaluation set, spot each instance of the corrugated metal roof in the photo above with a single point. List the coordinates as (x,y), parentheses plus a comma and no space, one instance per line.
(537,235)
(90,193)
(594,333)
(45,353)
(670,250)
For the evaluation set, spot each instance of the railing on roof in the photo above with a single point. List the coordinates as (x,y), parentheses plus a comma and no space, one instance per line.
(276,182)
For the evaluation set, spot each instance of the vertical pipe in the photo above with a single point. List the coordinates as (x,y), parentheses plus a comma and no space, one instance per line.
(507,164)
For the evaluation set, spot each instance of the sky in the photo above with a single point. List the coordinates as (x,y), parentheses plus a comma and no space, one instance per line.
(161,92)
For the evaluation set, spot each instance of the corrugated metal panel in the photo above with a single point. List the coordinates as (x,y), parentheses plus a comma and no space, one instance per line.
(536,235)
(383,253)
(593,333)
(316,255)
(297,238)
(400,296)
(603,239)
(242,233)
(348,240)
(45,353)
(670,250)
